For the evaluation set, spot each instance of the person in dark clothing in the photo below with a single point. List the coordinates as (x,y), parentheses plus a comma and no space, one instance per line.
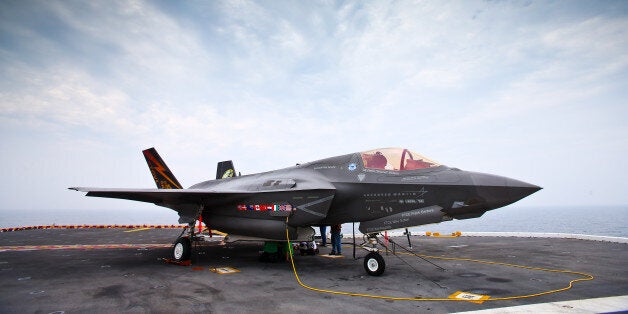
(336,248)
(323,235)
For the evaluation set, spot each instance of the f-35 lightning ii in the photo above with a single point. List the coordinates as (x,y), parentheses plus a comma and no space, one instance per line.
(382,189)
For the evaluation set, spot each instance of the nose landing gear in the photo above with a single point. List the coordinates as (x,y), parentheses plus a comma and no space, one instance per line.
(374,263)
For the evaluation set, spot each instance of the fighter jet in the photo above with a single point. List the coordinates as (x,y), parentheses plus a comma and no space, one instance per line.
(382,189)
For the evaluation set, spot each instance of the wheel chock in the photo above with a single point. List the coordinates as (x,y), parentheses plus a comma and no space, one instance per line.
(175,262)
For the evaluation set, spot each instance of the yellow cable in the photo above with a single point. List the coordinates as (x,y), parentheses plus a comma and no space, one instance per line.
(587,277)
(351,293)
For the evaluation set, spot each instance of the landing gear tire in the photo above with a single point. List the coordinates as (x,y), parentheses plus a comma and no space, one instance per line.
(374,264)
(182,249)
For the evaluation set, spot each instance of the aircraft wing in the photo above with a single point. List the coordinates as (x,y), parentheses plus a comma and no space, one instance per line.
(302,194)
(311,204)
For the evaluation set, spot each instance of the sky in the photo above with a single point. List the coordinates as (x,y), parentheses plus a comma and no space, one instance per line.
(533,90)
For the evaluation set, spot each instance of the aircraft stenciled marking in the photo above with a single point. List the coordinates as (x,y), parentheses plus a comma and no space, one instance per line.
(389,172)
(418,193)
(324,167)
(418,212)
(361,177)
(404,193)
(458,204)
(415,178)
(411,201)
(396,221)
(304,207)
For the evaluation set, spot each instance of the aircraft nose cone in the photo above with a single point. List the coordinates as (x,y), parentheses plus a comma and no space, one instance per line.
(519,189)
(500,191)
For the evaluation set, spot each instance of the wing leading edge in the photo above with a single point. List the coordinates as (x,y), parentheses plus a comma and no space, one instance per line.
(184,196)
(155,196)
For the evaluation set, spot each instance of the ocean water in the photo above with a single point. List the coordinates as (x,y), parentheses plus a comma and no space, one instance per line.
(591,220)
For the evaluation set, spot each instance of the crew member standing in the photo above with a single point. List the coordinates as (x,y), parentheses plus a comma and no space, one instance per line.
(336,248)
(323,235)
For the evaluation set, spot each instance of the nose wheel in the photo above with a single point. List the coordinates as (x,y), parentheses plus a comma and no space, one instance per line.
(182,249)
(374,264)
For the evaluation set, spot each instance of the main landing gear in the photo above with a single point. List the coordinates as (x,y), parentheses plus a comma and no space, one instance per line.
(182,249)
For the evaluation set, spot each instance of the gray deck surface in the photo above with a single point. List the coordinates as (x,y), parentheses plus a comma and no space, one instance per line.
(136,280)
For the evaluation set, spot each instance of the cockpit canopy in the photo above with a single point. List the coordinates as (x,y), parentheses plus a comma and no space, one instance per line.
(396,159)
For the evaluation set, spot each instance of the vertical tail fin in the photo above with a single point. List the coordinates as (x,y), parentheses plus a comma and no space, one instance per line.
(225,170)
(161,174)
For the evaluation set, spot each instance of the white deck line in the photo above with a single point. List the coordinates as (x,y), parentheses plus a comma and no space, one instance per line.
(598,305)
(546,235)
(397,233)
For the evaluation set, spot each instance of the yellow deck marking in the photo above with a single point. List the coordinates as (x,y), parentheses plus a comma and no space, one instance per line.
(224,270)
(330,256)
(139,229)
(471,297)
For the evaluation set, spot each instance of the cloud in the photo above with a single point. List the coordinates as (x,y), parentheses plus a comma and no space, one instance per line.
(61,97)
(273,84)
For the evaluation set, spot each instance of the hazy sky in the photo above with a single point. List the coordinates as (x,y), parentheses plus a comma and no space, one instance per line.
(533,90)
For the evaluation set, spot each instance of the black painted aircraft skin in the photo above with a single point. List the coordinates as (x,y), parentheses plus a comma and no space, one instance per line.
(400,190)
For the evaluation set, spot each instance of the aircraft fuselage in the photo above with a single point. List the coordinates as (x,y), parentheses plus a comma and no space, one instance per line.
(341,189)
